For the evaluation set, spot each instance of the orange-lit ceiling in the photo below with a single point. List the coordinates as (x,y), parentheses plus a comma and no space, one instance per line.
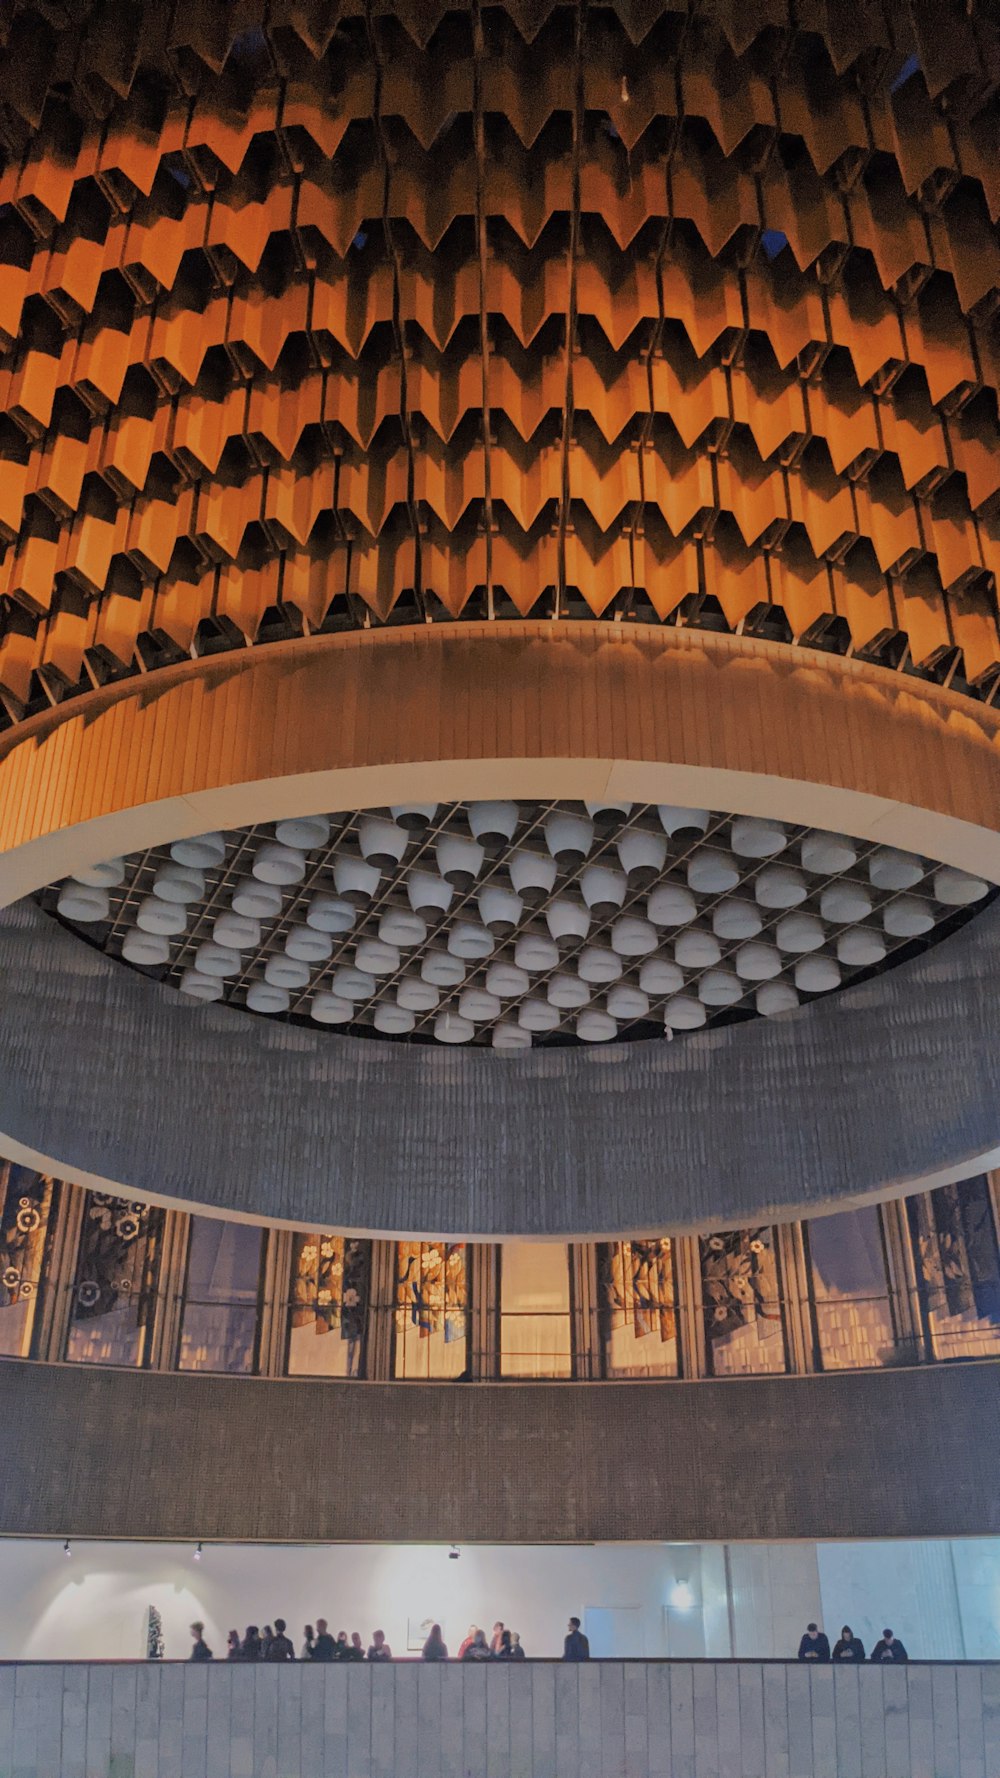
(317,315)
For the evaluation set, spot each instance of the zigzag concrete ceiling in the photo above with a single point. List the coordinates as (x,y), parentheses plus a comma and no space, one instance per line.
(316,316)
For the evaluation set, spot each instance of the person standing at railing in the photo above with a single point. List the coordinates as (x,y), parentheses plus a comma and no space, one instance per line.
(850,1647)
(815,1645)
(280,1646)
(889,1649)
(201,1650)
(576,1646)
(435,1648)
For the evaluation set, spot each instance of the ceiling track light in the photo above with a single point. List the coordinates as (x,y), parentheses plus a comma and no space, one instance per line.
(66,1549)
(197,1552)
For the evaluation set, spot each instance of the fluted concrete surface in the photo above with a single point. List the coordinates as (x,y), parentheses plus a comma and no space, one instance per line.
(608,1719)
(873,1088)
(136,1454)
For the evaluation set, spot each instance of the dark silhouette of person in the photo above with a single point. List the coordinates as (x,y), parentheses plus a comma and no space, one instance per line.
(850,1647)
(280,1646)
(233,1649)
(502,1653)
(342,1648)
(516,1651)
(308,1643)
(250,1648)
(266,1638)
(200,1651)
(815,1645)
(576,1646)
(379,1650)
(496,1638)
(324,1647)
(478,1649)
(889,1649)
(434,1648)
(468,1641)
(356,1649)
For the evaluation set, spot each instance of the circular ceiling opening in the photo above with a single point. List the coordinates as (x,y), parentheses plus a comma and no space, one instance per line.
(513,924)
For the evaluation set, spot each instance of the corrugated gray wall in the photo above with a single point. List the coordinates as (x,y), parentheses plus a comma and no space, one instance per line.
(864,1092)
(121,1454)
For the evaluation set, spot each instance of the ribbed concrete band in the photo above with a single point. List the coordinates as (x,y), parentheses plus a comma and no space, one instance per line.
(875,1454)
(105,1077)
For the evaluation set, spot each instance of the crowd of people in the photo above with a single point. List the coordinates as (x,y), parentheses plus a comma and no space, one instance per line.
(319,1645)
(815,1646)
(504,1645)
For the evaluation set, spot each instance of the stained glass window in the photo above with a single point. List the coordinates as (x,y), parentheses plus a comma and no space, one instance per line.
(739,1285)
(535,1325)
(850,1287)
(329,1306)
(955,1238)
(220,1319)
(25,1205)
(432,1309)
(114,1288)
(638,1313)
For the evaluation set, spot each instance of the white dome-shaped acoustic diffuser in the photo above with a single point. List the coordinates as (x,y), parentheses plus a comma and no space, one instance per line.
(817,975)
(685,1013)
(500,923)
(106,875)
(493,824)
(642,856)
(752,837)
(205,851)
(382,842)
(683,824)
(416,995)
(280,865)
(330,1009)
(329,913)
(533,876)
(413,816)
(307,833)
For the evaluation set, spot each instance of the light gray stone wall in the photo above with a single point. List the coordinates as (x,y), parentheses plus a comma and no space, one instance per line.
(611,1719)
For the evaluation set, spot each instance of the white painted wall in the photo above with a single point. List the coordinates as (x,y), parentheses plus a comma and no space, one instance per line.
(94,1602)
(775,1592)
(682,1600)
(909,1586)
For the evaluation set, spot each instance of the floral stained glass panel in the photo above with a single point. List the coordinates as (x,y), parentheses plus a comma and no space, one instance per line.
(25,1205)
(329,1305)
(955,1238)
(744,1331)
(638,1308)
(114,1288)
(432,1309)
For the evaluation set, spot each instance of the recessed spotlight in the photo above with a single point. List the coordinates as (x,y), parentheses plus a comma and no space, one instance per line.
(66,1549)
(197,1552)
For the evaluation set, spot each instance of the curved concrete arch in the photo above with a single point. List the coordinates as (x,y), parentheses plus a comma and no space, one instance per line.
(888,1085)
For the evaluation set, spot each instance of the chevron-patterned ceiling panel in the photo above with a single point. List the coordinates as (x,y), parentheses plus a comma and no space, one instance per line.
(315,316)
